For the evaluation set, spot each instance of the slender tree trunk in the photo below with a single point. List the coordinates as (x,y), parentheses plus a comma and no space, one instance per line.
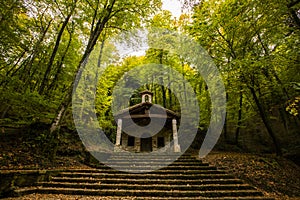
(152,87)
(60,64)
(183,82)
(61,112)
(225,124)
(277,79)
(283,117)
(155,94)
(169,90)
(161,80)
(54,52)
(163,90)
(239,122)
(266,122)
(100,59)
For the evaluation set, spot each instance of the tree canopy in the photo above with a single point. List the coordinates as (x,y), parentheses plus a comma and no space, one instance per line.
(254,44)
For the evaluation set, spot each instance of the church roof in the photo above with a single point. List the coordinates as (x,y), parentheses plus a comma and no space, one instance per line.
(146,92)
(141,110)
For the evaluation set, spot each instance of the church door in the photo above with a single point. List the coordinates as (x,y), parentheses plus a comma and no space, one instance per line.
(146,144)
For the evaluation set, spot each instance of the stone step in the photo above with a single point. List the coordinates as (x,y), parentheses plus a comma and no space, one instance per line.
(150,155)
(127,186)
(143,181)
(158,156)
(167,158)
(185,178)
(179,167)
(189,164)
(142,193)
(153,159)
(148,175)
(159,163)
(206,198)
(142,169)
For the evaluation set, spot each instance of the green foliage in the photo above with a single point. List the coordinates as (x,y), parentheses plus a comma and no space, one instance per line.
(43,45)
(25,108)
(293,106)
(250,41)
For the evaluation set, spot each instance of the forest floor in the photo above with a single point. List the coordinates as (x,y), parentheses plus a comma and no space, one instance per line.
(275,176)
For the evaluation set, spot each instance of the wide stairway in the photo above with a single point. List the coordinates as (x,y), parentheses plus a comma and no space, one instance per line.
(186,178)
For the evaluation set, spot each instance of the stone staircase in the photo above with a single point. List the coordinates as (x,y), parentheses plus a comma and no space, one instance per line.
(186,178)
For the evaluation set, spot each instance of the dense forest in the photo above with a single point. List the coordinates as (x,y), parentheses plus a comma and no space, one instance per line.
(254,44)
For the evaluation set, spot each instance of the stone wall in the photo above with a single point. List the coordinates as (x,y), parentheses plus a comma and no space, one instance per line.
(13,179)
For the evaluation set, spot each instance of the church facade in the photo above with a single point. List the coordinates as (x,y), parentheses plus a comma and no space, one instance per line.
(165,140)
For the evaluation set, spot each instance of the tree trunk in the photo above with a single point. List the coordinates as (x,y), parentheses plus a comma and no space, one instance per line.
(61,111)
(60,64)
(169,90)
(239,122)
(161,79)
(183,82)
(54,52)
(163,90)
(99,59)
(155,94)
(225,124)
(266,122)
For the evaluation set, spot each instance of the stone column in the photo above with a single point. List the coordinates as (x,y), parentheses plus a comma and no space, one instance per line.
(119,132)
(137,144)
(154,143)
(175,136)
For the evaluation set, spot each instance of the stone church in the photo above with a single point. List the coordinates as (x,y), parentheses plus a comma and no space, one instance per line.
(165,140)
